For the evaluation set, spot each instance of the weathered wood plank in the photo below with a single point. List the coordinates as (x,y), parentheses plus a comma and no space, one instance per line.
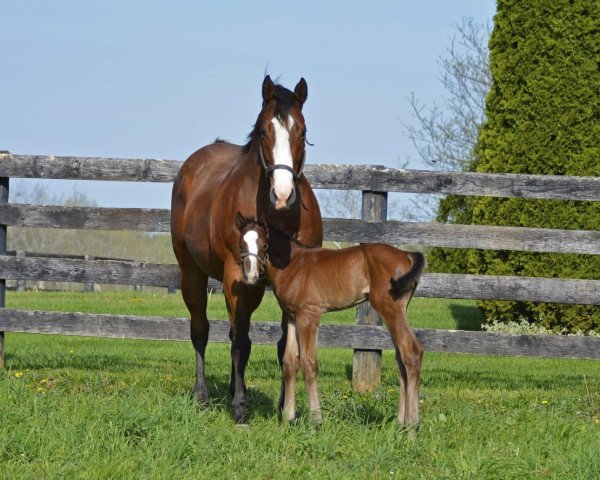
(491,287)
(82,271)
(88,168)
(338,336)
(335,229)
(94,218)
(463,236)
(379,178)
(485,287)
(341,177)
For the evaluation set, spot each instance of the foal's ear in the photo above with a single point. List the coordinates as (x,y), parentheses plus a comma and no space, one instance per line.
(301,91)
(262,222)
(240,221)
(268,89)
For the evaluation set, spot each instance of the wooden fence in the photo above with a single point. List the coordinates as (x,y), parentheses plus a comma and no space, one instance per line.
(375,182)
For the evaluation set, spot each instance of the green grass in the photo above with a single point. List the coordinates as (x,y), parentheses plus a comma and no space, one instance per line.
(96,408)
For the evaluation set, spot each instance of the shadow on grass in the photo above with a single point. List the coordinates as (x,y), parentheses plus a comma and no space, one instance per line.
(467,317)
(259,404)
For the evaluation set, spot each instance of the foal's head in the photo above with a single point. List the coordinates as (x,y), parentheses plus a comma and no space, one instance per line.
(253,247)
(281,134)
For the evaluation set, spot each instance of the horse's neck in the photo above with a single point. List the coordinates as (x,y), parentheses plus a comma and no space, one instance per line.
(284,253)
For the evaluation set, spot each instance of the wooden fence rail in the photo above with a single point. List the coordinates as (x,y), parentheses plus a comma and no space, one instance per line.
(375,182)
(337,177)
(433,285)
(335,229)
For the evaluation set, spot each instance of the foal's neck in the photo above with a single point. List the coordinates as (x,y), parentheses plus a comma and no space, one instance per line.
(283,252)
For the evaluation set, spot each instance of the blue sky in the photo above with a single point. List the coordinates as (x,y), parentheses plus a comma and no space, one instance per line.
(150,79)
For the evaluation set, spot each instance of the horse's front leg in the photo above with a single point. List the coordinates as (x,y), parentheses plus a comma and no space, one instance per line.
(308,327)
(241,301)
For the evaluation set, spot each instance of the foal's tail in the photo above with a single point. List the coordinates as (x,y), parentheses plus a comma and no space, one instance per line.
(408,282)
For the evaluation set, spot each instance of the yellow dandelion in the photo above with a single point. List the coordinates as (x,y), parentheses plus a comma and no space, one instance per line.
(44,380)
(40,389)
(597,421)
(391,390)
(544,402)
(18,374)
(344,396)
(71,351)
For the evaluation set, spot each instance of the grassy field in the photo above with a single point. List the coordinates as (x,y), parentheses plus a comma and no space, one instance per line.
(97,408)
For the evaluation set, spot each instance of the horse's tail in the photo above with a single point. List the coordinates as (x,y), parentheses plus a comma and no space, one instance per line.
(408,282)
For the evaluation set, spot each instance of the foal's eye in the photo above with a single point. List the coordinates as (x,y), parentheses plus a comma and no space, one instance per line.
(263,133)
(303,135)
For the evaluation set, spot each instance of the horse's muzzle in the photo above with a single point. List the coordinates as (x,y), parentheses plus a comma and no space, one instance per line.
(280,203)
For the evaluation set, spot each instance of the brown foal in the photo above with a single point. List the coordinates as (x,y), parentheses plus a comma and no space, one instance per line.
(309,281)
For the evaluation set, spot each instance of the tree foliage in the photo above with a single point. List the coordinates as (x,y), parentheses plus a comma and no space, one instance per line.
(543,117)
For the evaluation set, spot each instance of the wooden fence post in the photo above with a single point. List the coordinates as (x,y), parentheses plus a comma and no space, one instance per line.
(21,284)
(3,199)
(366,366)
(88,286)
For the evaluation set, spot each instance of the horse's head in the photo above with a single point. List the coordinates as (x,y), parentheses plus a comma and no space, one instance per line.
(281,134)
(253,247)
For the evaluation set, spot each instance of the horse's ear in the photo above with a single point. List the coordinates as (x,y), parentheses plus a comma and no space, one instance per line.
(240,221)
(301,91)
(268,89)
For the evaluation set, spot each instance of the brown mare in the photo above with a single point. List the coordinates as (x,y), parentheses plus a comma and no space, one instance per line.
(261,179)
(317,280)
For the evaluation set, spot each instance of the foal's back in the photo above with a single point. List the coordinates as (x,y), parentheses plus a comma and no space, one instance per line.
(330,279)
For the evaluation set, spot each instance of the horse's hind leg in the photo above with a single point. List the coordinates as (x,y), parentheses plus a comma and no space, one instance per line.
(409,356)
(193,289)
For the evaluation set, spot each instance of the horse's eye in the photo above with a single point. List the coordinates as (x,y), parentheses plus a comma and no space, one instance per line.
(303,135)
(263,133)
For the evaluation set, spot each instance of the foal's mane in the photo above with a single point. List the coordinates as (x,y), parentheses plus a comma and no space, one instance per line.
(284,101)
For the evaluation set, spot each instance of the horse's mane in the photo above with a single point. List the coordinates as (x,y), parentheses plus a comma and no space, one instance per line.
(284,101)
(292,239)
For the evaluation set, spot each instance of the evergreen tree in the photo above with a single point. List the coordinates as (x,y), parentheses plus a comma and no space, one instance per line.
(543,117)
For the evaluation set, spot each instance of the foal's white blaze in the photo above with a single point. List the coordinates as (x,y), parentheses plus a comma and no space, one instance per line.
(283,181)
(253,273)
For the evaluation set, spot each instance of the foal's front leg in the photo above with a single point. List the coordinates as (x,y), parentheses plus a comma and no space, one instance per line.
(289,370)
(308,328)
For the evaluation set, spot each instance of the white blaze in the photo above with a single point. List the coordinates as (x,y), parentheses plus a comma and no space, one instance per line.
(283,181)
(251,239)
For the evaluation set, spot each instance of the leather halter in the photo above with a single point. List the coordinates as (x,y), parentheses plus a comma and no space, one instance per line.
(262,261)
(278,166)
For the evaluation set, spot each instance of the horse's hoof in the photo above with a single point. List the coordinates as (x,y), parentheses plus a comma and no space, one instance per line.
(241,419)
(201,395)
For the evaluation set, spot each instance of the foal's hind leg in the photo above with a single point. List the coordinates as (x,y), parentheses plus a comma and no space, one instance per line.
(409,356)
(193,290)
